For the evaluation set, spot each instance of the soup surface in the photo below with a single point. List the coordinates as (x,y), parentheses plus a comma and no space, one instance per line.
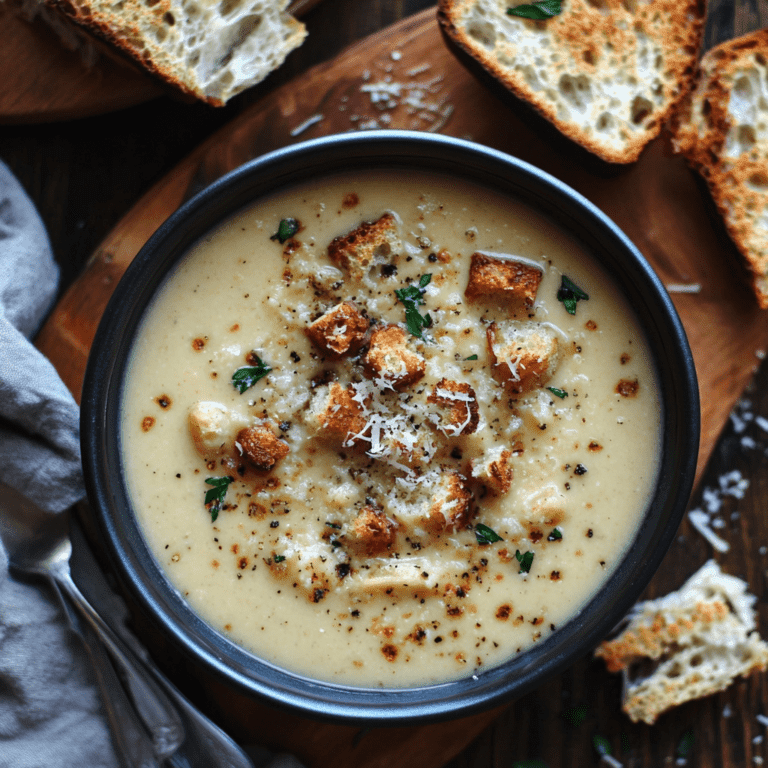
(388,429)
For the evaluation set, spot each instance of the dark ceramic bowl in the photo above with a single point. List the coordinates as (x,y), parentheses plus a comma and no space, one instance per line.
(242,670)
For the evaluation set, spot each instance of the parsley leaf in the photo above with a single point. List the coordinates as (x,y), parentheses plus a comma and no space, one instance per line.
(486,535)
(215,496)
(561,393)
(412,296)
(570,294)
(286,230)
(556,535)
(540,10)
(278,558)
(471,357)
(244,378)
(525,560)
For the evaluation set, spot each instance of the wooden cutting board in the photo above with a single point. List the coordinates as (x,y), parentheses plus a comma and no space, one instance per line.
(406,78)
(42,81)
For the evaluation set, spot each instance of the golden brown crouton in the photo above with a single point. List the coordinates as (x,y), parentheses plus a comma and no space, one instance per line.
(494,469)
(209,427)
(524,356)
(450,506)
(261,447)
(334,411)
(389,358)
(515,281)
(360,249)
(340,331)
(372,532)
(459,411)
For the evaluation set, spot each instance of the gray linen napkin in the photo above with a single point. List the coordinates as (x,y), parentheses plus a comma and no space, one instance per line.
(49,706)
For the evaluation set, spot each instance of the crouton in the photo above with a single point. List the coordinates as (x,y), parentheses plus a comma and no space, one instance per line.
(410,447)
(494,469)
(459,413)
(515,281)
(450,505)
(371,533)
(389,359)
(524,356)
(335,412)
(340,331)
(699,640)
(209,427)
(261,447)
(365,246)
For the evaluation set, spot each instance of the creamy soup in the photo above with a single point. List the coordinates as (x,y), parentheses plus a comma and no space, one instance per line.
(389,429)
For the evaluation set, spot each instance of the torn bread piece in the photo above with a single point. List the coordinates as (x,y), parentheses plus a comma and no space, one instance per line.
(260,447)
(700,639)
(371,243)
(503,277)
(389,359)
(211,51)
(371,533)
(524,356)
(607,74)
(494,468)
(339,331)
(721,131)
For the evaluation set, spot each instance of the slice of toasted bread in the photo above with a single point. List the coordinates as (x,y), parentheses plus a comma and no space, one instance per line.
(606,73)
(722,130)
(210,50)
(698,640)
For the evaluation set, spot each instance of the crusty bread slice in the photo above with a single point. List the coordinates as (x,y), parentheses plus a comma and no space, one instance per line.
(606,73)
(699,640)
(722,130)
(211,50)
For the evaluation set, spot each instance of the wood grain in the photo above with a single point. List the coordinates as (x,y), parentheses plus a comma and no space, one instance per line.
(42,81)
(657,202)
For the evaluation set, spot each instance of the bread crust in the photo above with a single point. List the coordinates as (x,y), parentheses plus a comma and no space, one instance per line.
(715,132)
(653,46)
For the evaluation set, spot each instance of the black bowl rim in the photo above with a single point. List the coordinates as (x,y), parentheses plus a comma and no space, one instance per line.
(386,706)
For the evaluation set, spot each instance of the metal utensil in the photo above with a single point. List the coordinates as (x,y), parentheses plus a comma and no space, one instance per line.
(39,544)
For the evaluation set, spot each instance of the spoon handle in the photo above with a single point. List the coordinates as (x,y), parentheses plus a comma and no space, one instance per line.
(131,741)
(151,702)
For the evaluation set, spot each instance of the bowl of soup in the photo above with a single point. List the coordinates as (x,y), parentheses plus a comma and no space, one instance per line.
(388,426)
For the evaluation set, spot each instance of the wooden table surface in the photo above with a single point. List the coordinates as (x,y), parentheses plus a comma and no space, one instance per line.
(84,174)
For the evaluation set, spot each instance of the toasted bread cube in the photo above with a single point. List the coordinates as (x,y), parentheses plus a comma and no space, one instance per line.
(261,447)
(366,245)
(513,280)
(459,413)
(340,331)
(371,533)
(389,358)
(333,411)
(210,427)
(494,469)
(524,356)
(450,506)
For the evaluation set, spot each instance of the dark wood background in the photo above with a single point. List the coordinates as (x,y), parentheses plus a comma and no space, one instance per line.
(84,174)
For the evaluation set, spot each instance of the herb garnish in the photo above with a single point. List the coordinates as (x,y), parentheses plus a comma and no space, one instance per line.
(286,230)
(570,294)
(278,558)
(215,496)
(540,10)
(561,393)
(245,377)
(525,560)
(486,535)
(556,535)
(412,296)
(471,357)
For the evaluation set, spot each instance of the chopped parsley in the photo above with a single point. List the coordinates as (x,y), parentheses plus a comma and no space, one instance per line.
(525,560)
(245,377)
(486,535)
(215,496)
(286,230)
(556,535)
(278,558)
(540,10)
(570,294)
(561,393)
(412,296)
(471,357)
